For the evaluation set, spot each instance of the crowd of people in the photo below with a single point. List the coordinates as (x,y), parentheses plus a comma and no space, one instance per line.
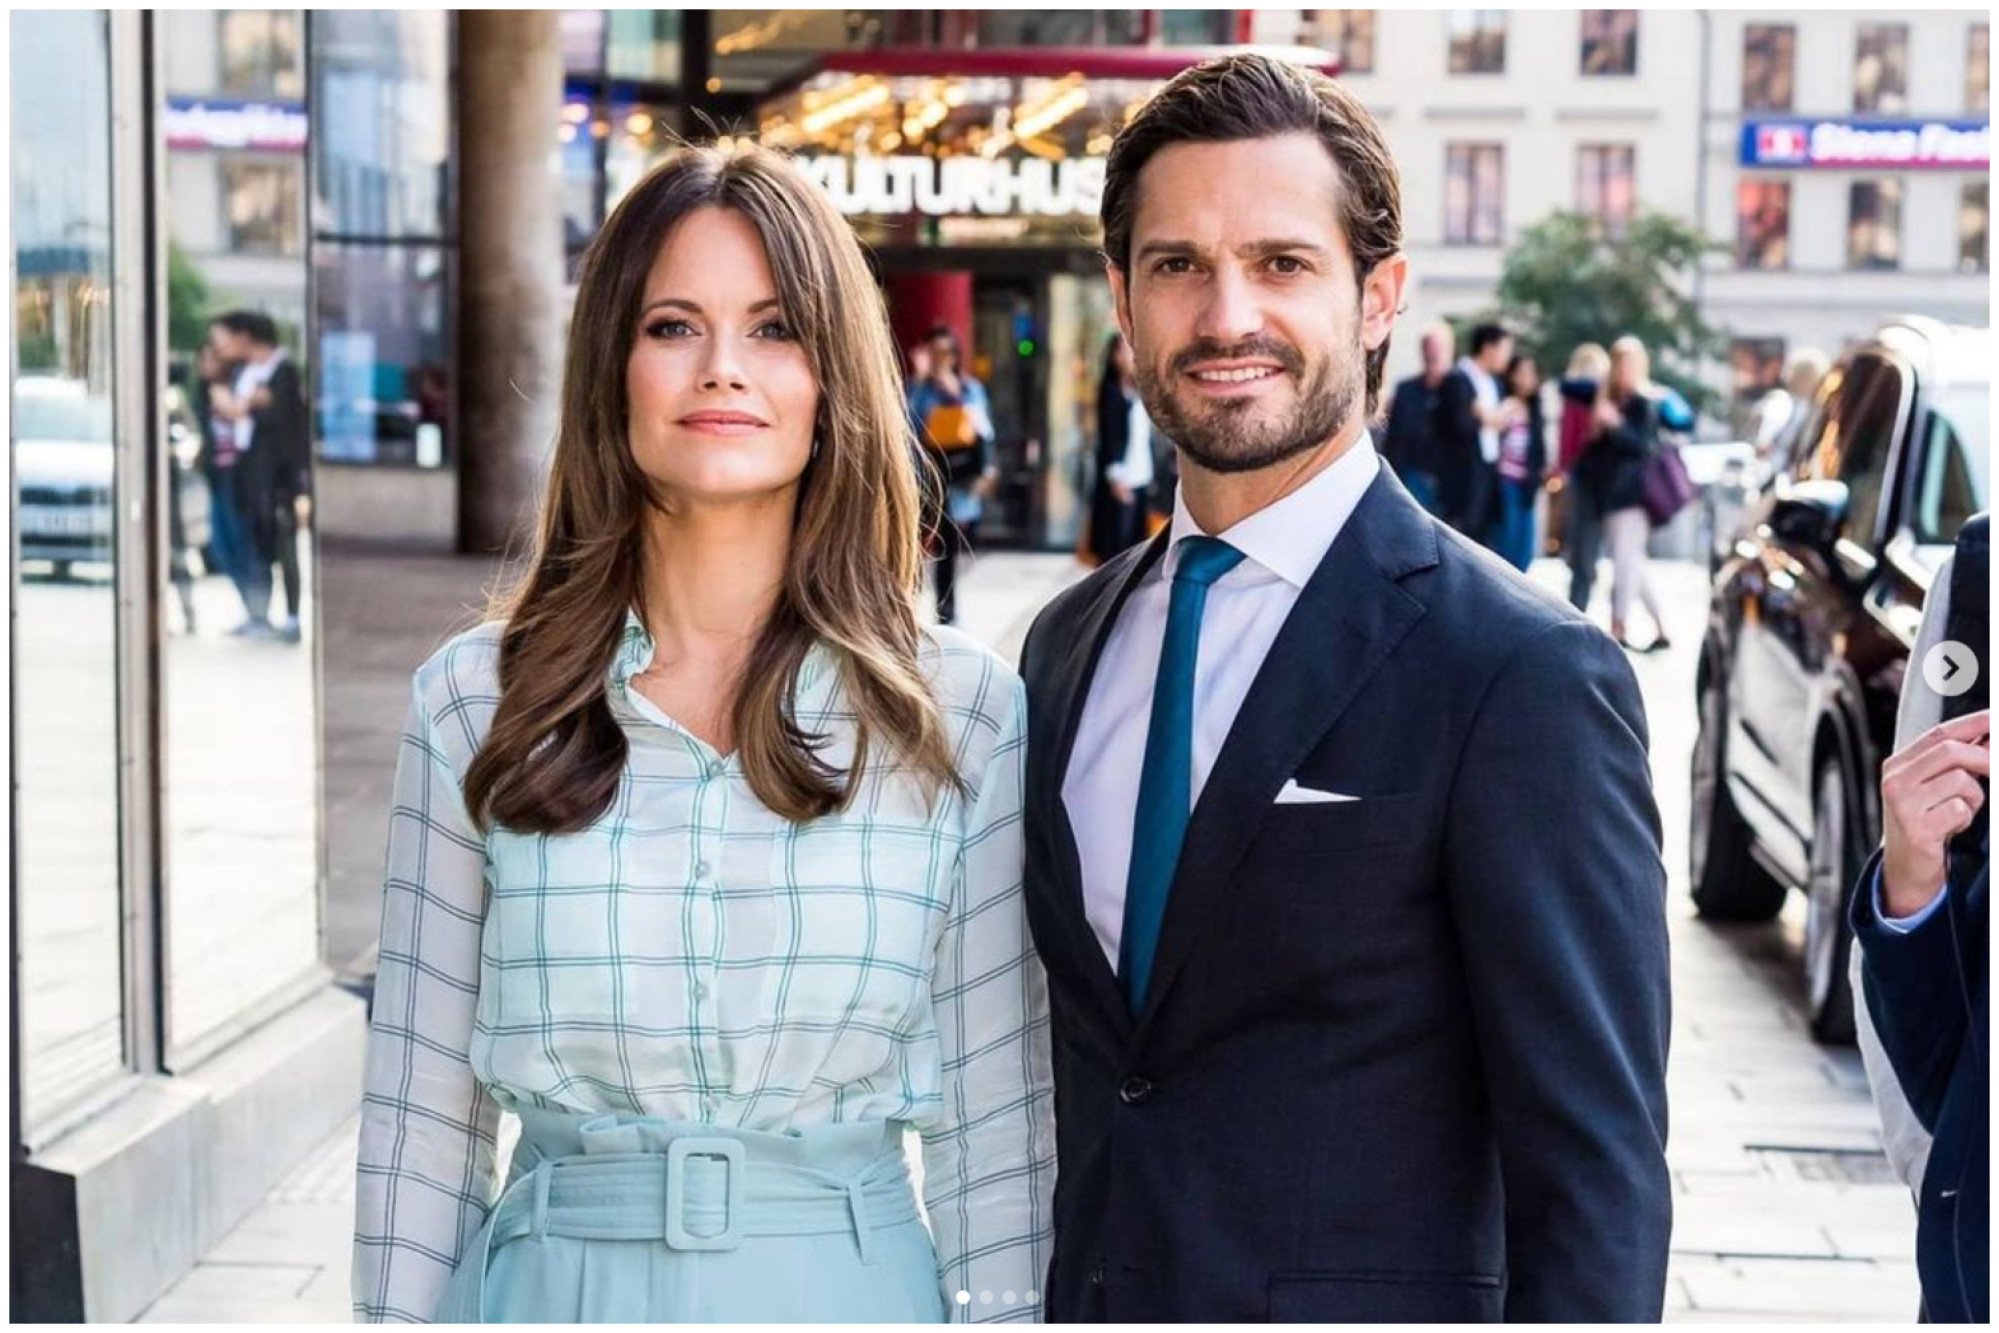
(1469,438)
(246,399)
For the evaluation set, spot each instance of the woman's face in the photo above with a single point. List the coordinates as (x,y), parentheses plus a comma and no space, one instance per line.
(722,398)
(1526,378)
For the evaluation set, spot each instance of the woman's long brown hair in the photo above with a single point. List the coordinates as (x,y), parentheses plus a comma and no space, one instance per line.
(552,759)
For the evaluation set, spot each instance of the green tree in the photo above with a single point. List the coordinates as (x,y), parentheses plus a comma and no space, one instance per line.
(1565,283)
(189,301)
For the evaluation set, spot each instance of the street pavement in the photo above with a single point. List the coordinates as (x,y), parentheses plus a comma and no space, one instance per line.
(1784,1207)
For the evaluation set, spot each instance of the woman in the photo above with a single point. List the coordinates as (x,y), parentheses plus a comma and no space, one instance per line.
(1124,456)
(1523,457)
(953,414)
(1582,525)
(705,858)
(1612,473)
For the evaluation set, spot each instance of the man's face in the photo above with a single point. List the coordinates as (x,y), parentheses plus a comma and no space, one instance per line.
(1496,355)
(1436,353)
(1248,331)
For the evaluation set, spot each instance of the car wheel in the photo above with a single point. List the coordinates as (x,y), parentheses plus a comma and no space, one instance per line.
(1835,863)
(1728,883)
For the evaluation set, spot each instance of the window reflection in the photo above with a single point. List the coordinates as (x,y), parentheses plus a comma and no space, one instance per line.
(66,814)
(383,122)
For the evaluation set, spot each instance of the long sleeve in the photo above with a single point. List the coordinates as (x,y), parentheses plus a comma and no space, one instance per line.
(427,1149)
(1554,874)
(989,1155)
(1912,981)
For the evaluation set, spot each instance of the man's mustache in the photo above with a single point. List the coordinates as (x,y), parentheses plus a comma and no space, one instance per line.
(1268,349)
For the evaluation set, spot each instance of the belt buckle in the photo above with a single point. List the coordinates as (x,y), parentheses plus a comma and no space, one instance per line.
(677,1153)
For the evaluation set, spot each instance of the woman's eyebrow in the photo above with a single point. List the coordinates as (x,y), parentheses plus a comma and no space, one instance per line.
(694,308)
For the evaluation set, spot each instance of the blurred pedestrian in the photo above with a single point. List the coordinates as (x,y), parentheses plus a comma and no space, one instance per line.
(955,417)
(215,411)
(1781,414)
(1922,943)
(705,858)
(1626,416)
(1582,521)
(1414,443)
(275,477)
(1475,409)
(1523,459)
(1124,457)
(1282,762)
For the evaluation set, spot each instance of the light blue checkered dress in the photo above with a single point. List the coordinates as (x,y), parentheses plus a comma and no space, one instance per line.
(694,957)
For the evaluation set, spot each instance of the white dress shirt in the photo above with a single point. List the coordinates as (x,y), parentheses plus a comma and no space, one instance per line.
(1134,470)
(1282,546)
(1485,390)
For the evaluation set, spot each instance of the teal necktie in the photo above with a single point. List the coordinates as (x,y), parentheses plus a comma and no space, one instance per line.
(1165,781)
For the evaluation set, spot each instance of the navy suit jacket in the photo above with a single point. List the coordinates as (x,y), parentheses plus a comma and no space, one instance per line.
(1927,993)
(1403,1058)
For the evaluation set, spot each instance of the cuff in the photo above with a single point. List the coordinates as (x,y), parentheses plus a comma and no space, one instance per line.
(1902,925)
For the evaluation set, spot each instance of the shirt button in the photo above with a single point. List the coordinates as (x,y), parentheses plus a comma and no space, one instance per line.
(1135,1090)
(701,869)
(700,990)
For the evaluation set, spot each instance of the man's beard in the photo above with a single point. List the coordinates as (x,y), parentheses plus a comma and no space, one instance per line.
(1224,435)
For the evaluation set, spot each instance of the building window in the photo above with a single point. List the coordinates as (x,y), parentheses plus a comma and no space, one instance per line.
(1763,224)
(1974,228)
(1610,41)
(1769,66)
(643,44)
(1978,69)
(1758,364)
(1197,27)
(1474,190)
(1881,69)
(261,53)
(1607,185)
(261,203)
(1069,27)
(1874,225)
(1347,33)
(1477,39)
(582,36)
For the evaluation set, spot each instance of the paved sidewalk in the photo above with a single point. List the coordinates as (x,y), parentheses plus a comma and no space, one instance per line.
(1784,1207)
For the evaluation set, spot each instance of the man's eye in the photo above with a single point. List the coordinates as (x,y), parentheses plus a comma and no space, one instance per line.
(1174,265)
(1287,264)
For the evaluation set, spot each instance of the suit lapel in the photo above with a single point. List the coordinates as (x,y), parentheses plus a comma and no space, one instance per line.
(1349,618)
(1078,667)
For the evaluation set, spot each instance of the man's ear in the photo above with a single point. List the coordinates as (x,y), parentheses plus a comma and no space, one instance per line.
(1381,298)
(1120,298)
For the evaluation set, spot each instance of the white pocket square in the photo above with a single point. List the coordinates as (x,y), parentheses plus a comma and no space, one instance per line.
(1293,794)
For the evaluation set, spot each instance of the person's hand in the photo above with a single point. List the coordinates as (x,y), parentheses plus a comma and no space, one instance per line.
(1512,412)
(987,485)
(1121,492)
(1607,415)
(1929,795)
(302,510)
(919,362)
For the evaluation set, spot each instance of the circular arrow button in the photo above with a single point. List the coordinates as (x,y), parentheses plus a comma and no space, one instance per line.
(1950,668)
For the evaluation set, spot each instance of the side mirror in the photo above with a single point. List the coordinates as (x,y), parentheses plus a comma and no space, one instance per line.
(1810,513)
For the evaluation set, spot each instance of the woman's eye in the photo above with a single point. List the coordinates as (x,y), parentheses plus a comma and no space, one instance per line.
(669,328)
(776,328)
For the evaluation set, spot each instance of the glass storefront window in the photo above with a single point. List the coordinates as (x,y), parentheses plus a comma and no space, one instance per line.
(582,40)
(1474,193)
(1477,40)
(1978,68)
(1763,224)
(1195,27)
(640,134)
(1874,225)
(1974,227)
(1769,66)
(66,815)
(1881,69)
(383,392)
(381,85)
(262,53)
(643,44)
(1062,27)
(1348,33)
(260,203)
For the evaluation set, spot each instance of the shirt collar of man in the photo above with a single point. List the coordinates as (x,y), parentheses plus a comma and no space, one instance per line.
(635,650)
(1288,540)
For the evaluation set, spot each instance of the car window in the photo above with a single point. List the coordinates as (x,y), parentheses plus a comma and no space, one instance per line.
(1851,439)
(1951,482)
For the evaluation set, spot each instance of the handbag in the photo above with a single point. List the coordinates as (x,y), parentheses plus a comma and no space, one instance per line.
(1668,488)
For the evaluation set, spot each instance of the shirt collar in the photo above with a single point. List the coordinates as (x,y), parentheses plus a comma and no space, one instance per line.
(635,650)
(1291,537)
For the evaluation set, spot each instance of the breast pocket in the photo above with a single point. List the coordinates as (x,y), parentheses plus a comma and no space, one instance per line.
(555,938)
(1328,827)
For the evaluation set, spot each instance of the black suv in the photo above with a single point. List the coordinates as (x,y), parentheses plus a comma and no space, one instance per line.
(1808,636)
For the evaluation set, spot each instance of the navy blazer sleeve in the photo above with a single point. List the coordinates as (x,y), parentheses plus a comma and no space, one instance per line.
(1914,993)
(1553,866)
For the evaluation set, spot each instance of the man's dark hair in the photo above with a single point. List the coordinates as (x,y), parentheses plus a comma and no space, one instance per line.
(1241,97)
(1484,336)
(255,325)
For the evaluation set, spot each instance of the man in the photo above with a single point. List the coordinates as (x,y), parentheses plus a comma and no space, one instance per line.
(274,481)
(1412,445)
(954,418)
(1341,851)
(1474,411)
(1920,919)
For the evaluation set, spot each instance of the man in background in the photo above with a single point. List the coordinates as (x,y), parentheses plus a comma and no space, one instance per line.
(1474,411)
(1413,446)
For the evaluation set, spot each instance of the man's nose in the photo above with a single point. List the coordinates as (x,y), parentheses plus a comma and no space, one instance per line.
(1231,312)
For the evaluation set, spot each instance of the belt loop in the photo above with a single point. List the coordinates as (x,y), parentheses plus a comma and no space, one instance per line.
(538,1218)
(862,1231)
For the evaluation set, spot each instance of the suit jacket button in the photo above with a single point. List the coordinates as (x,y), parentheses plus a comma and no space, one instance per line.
(1135,1090)
(1097,1273)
